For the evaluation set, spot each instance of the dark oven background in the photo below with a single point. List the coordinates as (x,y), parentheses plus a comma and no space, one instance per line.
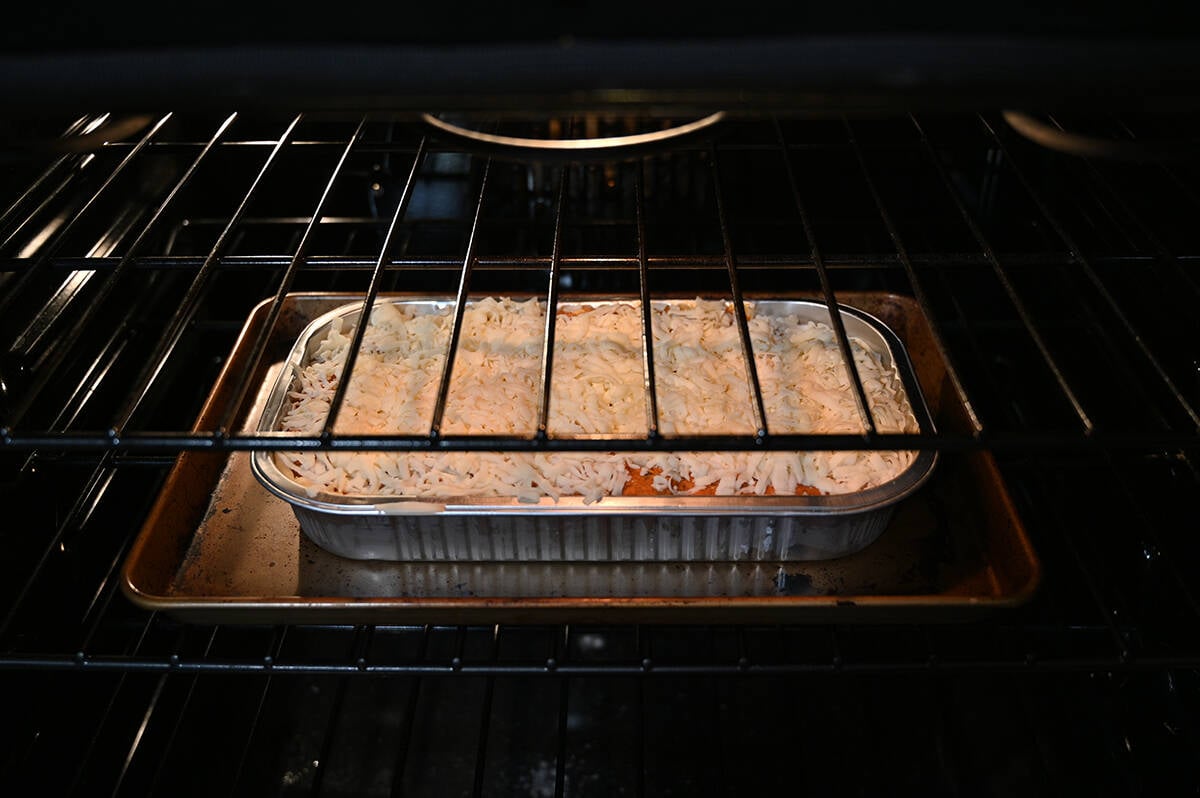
(1061,290)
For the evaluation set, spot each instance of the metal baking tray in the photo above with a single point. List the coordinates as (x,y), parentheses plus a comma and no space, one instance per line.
(217,547)
(617,528)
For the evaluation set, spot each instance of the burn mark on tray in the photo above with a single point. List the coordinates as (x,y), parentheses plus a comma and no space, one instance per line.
(795,584)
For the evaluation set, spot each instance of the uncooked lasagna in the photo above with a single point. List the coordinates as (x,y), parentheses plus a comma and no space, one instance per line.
(598,387)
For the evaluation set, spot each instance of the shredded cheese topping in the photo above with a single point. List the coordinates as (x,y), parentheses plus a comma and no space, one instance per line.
(597,387)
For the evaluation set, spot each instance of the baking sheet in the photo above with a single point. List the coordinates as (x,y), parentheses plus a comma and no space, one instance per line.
(218,547)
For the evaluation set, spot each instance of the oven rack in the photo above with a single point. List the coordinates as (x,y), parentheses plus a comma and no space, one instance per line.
(47,275)
(706,736)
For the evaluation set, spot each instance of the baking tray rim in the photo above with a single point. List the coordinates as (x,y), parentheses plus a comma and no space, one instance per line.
(855,608)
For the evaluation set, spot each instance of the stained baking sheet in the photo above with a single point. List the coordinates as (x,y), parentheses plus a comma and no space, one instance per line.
(218,547)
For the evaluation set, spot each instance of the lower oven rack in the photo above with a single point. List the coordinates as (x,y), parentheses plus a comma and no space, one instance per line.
(1051,279)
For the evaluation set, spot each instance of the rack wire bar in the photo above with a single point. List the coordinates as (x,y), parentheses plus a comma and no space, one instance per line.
(1178,258)
(410,712)
(1120,364)
(739,309)
(95,485)
(1163,251)
(321,764)
(190,301)
(59,235)
(835,315)
(89,749)
(485,715)
(103,594)
(560,752)
(640,654)
(112,701)
(268,661)
(651,386)
(1095,592)
(1154,239)
(71,130)
(639,746)
(1121,659)
(915,284)
(44,370)
(460,309)
(1009,289)
(135,744)
(81,162)
(1082,261)
(160,769)
(551,308)
(582,263)
(360,327)
(242,386)
(142,443)
(117,228)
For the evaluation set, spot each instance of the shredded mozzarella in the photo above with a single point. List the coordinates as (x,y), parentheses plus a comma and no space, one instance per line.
(597,387)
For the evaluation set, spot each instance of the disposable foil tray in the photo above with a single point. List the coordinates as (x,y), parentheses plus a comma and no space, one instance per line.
(634,529)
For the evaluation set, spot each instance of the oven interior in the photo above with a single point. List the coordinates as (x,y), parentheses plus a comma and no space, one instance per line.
(1061,289)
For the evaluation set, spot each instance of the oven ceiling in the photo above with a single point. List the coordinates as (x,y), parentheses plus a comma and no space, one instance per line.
(569,56)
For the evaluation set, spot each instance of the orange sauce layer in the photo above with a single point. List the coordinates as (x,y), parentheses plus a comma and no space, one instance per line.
(643,485)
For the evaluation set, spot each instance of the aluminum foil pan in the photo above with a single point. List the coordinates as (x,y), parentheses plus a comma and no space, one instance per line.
(614,529)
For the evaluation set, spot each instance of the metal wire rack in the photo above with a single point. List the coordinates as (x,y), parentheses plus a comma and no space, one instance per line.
(1060,291)
(42,342)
